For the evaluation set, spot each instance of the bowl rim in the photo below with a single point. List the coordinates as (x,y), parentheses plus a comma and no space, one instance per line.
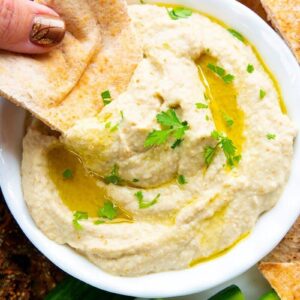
(167,284)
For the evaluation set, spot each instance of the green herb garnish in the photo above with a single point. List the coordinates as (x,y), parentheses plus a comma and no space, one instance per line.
(67,174)
(226,145)
(176,143)
(108,211)
(271,136)
(181,179)
(236,34)
(227,78)
(106,97)
(229,121)
(114,177)
(179,13)
(262,94)
(201,105)
(206,117)
(142,203)
(250,68)
(135,180)
(172,127)
(77,216)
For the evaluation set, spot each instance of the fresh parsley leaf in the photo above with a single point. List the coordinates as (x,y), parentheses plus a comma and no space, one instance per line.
(108,211)
(114,177)
(142,203)
(209,154)
(227,78)
(67,174)
(216,69)
(250,68)
(179,13)
(157,137)
(236,34)
(226,145)
(106,97)
(77,216)
(229,121)
(271,136)
(172,127)
(201,105)
(181,179)
(176,143)
(262,94)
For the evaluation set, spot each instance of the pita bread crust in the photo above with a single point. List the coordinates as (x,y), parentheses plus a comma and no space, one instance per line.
(284,278)
(282,266)
(285,17)
(289,248)
(99,52)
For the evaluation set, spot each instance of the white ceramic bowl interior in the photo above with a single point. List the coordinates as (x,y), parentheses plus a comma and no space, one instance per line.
(270,228)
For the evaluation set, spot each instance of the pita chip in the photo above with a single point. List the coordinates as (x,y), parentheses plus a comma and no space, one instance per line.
(99,52)
(282,266)
(285,17)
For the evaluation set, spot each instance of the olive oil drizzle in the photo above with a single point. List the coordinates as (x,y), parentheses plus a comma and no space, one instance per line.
(222,101)
(80,192)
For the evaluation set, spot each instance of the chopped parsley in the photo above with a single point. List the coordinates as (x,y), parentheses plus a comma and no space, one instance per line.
(142,203)
(201,105)
(106,97)
(172,127)
(77,216)
(181,179)
(67,174)
(207,118)
(176,143)
(142,2)
(271,136)
(236,34)
(226,145)
(209,154)
(228,120)
(114,177)
(227,78)
(122,114)
(262,94)
(179,13)
(135,180)
(250,68)
(108,211)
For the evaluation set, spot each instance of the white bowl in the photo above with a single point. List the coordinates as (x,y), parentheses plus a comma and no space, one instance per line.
(268,231)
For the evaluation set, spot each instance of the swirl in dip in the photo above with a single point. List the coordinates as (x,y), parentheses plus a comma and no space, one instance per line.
(177,168)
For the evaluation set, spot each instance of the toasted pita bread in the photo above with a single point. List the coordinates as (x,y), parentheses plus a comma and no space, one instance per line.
(99,52)
(284,278)
(285,17)
(282,266)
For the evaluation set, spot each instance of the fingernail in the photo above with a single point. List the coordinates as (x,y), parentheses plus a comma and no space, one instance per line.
(47,31)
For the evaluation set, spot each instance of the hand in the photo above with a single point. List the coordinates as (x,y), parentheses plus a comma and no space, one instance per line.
(29,27)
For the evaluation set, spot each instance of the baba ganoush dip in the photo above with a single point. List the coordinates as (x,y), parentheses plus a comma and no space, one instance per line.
(177,168)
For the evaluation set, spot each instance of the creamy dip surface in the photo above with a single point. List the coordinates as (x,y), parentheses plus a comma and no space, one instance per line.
(133,208)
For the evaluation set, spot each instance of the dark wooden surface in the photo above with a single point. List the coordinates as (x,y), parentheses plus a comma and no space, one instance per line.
(24,272)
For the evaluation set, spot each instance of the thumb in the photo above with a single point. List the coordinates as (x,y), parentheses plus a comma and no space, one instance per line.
(29,27)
